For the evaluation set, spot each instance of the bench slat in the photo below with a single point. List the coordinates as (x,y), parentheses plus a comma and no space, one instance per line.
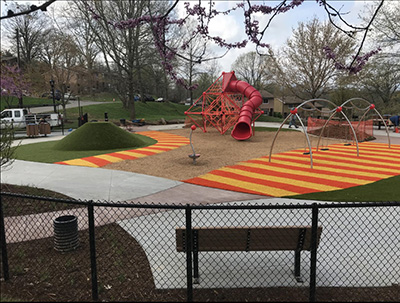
(247,238)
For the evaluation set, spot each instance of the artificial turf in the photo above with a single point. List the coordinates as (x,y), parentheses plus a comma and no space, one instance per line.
(385,190)
(98,136)
(91,139)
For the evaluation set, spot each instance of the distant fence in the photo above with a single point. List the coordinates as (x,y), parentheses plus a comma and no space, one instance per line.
(128,252)
(340,129)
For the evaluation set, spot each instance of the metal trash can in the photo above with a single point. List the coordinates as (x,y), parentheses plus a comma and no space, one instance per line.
(66,233)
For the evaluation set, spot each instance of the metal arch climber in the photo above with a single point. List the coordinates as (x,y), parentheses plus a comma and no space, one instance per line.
(339,109)
(370,106)
(332,113)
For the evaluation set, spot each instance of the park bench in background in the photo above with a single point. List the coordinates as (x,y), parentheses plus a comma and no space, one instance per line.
(378,121)
(259,238)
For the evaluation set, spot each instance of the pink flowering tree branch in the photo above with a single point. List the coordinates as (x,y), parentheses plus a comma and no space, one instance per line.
(161,24)
(205,13)
(358,60)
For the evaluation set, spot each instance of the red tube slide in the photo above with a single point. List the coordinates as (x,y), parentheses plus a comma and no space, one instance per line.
(242,129)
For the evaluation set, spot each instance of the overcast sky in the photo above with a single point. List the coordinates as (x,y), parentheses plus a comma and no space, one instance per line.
(231,27)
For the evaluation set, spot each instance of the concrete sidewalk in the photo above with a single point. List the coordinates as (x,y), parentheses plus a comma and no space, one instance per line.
(85,182)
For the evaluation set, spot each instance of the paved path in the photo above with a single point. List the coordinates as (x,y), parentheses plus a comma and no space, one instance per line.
(70,104)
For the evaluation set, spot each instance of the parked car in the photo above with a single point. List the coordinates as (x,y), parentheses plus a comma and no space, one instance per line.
(69,96)
(57,95)
(148,98)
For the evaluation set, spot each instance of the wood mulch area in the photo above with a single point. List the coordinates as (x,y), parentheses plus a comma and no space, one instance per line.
(215,151)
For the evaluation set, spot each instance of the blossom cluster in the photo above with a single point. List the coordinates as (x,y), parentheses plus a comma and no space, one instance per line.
(357,64)
(161,25)
(12,81)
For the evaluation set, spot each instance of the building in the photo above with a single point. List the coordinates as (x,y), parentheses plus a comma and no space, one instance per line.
(268,104)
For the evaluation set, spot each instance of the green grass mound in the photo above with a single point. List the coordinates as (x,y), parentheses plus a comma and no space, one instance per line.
(99,136)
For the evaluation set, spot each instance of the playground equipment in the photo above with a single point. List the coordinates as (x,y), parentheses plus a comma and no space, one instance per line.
(331,113)
(223,106)
(193,156)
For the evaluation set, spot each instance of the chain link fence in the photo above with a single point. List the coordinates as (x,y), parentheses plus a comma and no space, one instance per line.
(219,252)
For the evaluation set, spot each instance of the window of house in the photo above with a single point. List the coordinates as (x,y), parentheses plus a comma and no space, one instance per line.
(265,101)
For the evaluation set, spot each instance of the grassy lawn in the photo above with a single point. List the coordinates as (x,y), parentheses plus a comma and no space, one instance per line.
(46,153)
(386,190)
(27,102)
(72,146)
(150,111)
(38,101)
(100,97)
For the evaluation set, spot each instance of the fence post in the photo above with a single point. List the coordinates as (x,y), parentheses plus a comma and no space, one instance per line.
(314,245)
(3,242)
(92,241)
(188,244)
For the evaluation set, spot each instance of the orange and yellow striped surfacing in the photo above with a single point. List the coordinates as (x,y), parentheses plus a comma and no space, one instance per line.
(165,142)
(290,173)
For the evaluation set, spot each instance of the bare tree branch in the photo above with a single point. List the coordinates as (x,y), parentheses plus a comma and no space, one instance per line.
(171,9)
(366,33)
(33,8)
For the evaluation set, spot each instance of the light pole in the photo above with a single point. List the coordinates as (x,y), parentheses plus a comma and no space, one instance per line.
(52,93)
(20,102)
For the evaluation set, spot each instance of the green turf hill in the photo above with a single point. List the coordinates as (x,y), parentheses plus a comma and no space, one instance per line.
(99,136)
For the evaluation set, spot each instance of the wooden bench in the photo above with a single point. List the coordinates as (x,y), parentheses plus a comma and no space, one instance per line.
(259,238)
(377,121)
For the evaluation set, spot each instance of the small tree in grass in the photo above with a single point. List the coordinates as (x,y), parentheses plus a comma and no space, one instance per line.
(12,84)
(6,149)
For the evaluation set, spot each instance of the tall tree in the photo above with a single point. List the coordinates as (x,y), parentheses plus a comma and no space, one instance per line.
(125,51)
(195,49)
(204,13)
(78,26)
(381,81)
(253,69)
(61,57)
(207,77)
(386,28)
(27,34)
(302,65)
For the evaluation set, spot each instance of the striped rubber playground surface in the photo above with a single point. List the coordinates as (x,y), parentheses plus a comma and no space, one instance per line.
(165,142)
(289,173)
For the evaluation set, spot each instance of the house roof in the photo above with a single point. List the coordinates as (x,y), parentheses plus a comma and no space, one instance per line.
(294,101)
(266,94)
